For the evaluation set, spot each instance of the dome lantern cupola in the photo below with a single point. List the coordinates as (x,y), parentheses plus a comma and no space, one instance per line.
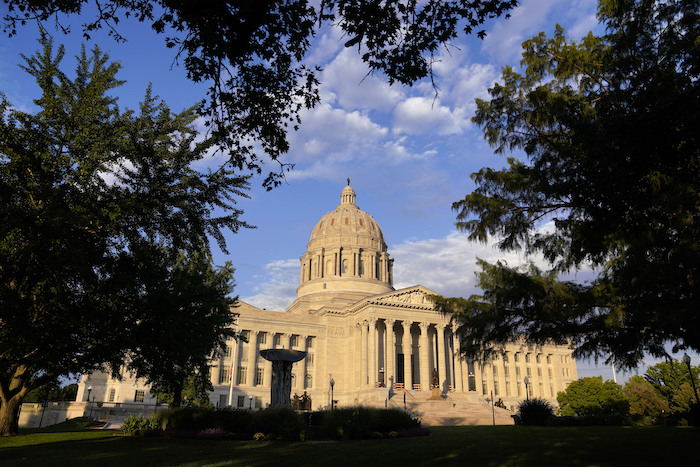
(346,256)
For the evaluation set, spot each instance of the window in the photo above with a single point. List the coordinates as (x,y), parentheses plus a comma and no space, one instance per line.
(527,358)
(293,341)
(240,402)
(495,371)
(520,389)
(262,338)
(242,371)
(551,389)
(495,388)
(344,269)
(549,359)
(294,380)
(516,357)
(308,382)
(259,376)
(541,390)
(139,395)
(223,400)
(507,388)
(505,357)
(225,376)
(276,340)
(258,402)
(227,351)
(539,358)
(309,342)
(529,372)
(310,359)
(506,371)
(484,388)
(112,394)
(517,372)
(539,372)
(549,371)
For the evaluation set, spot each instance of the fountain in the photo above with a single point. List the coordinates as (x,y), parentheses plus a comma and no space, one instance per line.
(282,360)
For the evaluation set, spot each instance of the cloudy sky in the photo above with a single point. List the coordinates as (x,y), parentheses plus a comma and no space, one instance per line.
(408,153)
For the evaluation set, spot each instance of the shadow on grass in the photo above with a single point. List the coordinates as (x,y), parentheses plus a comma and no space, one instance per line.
(483,446)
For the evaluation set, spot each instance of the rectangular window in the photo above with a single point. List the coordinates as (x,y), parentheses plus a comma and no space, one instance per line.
(527,358)
(242,371)
(262,338)
(240,402)
(506,371)
(495,371)
(223,400)
(225,376)
(539,372)
(508,388)
(293,341)
(549,371)
(539,358)
(516,357)
(541,390)
(227,351)
(549,359)
(520,389)
(139,395)
(258,402)
(484,388)
(495,388)
(551,389)
(276,340)
(517,372)
(310,359)
(529,372)
(309,342)
(259,376)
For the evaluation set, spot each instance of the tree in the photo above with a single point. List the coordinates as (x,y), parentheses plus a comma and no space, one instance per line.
(52,392)
(610,182)
(253,53)
(644,400)
(591,397)
(190,299)
(672,382)
(85,190)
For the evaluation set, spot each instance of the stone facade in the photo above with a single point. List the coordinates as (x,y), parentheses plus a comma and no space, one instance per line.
(380,346)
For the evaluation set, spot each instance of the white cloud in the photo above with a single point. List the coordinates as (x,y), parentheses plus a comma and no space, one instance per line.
(345,82)
(276,290)
(421,115)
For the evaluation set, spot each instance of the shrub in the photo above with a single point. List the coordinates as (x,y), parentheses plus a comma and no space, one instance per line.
(535,412)
(137,426)
(361,422)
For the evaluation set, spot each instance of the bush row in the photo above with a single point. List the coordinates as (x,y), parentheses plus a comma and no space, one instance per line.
(277,423)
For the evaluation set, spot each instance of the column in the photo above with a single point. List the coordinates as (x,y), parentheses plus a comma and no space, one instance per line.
(424,352)
(252,356)
(268,364)
(407,346)
(305,366)
(459,370)
(372,352)
(440,357)
(363,356)
(390,353)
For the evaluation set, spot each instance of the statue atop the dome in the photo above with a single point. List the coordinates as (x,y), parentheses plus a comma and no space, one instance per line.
(348,181)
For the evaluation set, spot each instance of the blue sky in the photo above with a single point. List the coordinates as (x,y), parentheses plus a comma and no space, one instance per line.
(407,153)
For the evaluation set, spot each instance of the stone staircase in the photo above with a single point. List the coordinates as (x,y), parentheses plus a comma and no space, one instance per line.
(455,409)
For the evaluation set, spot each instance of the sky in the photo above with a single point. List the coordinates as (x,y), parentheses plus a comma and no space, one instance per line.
(408,153)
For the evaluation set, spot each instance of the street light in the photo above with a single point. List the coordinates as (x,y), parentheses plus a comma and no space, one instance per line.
(332,384)
(89,388)
(686,360)
(527,391)
(251,402)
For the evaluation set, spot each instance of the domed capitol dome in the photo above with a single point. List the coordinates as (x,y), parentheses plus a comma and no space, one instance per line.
(346,258)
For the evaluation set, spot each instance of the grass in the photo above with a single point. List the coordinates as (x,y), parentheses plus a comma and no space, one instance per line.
(482,446)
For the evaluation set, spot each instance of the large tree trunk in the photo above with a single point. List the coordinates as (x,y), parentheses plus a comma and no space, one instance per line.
(9,416)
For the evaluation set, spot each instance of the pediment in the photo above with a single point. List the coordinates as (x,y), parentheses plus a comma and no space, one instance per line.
(416,297)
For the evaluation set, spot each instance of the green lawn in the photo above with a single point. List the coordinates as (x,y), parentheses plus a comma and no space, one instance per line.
(466,446)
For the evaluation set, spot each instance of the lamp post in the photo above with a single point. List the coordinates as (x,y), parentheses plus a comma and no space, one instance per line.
(332,402)
(251,402)
(89,388)
(686,360)
(527,390)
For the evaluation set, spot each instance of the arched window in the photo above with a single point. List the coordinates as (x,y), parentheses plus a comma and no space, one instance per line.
(294,380)
(307,382)
(345,266)
(112,394)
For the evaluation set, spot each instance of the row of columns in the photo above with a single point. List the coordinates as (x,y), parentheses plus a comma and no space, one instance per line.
(361,263)
(252,360)
(377,354)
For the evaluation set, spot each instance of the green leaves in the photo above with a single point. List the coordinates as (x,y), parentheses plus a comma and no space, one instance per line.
(609,181)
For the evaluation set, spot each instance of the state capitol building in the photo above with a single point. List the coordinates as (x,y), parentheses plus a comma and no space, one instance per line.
(379,346)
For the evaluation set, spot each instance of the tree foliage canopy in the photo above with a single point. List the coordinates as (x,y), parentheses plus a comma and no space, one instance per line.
(610,181)
(592,397)
(89,195)
(252,52)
